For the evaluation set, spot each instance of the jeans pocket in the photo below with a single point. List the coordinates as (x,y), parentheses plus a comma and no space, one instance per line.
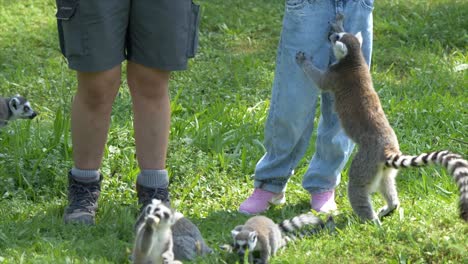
(194,21)
(69,28)
(295,4)
(369,4)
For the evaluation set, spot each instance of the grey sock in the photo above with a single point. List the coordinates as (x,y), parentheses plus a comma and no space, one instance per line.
(153,178)
(85,176)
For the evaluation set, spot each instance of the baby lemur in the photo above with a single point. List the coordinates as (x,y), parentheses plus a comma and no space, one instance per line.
(153,242)
(15,107)
(378,159)
(261,234)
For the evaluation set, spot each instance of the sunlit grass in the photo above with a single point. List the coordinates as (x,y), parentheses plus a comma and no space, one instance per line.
(219,107)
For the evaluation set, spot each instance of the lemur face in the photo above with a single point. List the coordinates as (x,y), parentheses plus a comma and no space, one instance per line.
(21,108)
(339,48)
(339,43)
(244,240)
(158,214)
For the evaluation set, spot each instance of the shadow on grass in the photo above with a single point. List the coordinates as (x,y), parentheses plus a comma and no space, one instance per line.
(216,228)
(44,234)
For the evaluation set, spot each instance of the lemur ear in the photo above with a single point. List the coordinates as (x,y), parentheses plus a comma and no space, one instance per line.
(177,215)
(14,103)
(359,37)
(253,236)
(236,230)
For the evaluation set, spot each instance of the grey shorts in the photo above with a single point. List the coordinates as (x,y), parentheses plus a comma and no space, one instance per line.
(96,35)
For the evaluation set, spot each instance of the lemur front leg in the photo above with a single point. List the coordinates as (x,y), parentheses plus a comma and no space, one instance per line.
(168,258)
(315,74)
(337,26)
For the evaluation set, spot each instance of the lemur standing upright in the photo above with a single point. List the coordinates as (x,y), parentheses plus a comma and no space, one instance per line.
(261,234)
(15,107)
(153,242)
(378,159)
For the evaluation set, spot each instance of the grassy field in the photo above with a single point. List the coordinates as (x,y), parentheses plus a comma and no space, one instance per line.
(219,108)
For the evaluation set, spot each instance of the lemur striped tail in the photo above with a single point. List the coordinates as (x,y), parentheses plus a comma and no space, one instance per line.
(454,163)
(293,226)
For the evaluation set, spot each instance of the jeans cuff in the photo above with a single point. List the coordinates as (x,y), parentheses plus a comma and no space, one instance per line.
(271,187)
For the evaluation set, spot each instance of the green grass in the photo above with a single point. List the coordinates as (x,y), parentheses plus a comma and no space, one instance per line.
(219,109)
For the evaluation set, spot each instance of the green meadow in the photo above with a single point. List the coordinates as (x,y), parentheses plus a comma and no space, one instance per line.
(219,107)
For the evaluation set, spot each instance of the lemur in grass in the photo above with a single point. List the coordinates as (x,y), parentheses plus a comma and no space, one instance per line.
(166,235)
(15,107)
(378,159)
(260,234)
(153,242)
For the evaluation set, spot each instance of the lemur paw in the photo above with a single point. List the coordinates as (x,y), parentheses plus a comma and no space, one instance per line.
(387,210)
(300,57)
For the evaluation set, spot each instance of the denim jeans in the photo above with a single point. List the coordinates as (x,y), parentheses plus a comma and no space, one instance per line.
(290,121)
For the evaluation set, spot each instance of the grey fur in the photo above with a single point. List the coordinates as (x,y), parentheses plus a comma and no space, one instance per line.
(375,165)
(153,242)
(15,107)
(188,241)
(261,234)
(338,25)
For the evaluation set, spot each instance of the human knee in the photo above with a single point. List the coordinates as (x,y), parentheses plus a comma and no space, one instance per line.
(151,84)
(97,91)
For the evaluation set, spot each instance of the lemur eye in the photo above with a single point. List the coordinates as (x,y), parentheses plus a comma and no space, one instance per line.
(166,215)
(337,37)
(148,210)
(26,108)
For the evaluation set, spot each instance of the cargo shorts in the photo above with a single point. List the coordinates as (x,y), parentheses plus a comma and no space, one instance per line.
(97,35)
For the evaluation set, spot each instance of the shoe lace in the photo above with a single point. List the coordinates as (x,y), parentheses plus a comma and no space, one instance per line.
(161,194)
(82,197)
(149,194)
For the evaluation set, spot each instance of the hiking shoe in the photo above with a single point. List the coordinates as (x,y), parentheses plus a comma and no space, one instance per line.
(146,194)
(82,199)
(260,201)
(323,202)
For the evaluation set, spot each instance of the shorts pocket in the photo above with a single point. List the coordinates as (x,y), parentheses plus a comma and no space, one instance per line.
(194,21)
(69,28)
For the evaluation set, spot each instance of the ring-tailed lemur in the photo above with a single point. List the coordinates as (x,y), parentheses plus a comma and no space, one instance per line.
(378,159)
(153,242)
(15,107)
(188,240)
(261,234)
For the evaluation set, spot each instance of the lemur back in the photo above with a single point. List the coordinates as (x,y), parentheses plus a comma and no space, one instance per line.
(188,240)
(261,234)
(358,106)
(153,242)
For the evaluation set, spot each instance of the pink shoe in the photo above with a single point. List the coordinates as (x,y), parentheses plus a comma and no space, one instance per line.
(323,202)
(260,201)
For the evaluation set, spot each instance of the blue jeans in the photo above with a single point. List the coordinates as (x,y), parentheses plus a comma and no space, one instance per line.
(294,97)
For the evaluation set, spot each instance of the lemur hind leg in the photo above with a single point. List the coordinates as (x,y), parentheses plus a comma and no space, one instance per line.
(363,174)
(389,191)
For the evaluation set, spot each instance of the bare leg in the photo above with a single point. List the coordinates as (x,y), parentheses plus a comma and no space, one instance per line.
(151,107)
(90,117)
